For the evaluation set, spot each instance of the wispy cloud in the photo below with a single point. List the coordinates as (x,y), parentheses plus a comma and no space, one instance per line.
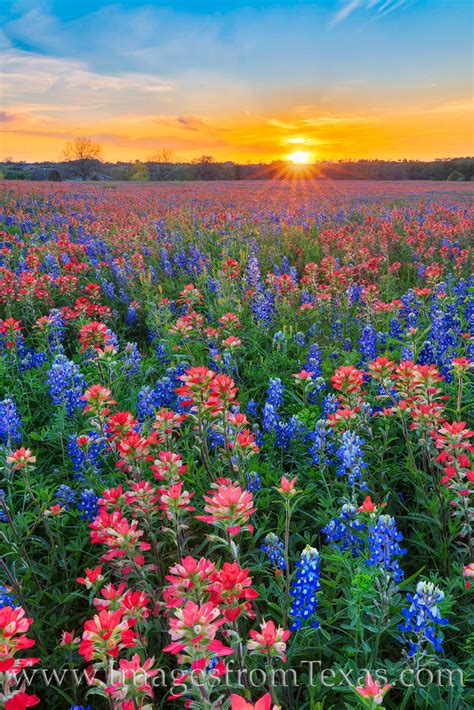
(380,7)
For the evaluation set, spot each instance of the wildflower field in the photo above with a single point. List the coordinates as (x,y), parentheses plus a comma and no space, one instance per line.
(235,445)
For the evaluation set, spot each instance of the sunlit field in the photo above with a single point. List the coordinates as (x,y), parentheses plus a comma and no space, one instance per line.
(235,444)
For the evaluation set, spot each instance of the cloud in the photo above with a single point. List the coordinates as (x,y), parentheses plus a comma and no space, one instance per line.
(6,117)
(381,8)
(192,123)
(49,84)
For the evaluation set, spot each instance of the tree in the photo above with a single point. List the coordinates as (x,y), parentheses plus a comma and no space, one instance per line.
(140,172)
(83,155)
(205,167)
(160,164)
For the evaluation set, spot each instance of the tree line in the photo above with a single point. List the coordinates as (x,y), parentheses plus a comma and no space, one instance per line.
(83,160)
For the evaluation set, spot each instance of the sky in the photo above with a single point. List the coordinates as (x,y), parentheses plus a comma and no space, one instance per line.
(244,81)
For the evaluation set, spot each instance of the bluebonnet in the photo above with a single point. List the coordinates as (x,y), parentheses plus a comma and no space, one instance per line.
(108,289)
(253,276)
(3,515)
(50,265)
(165,262)
(381,340)
(262,307)
(313,329)
(10,423)
(422,620)
(269,417)
(29,358)
(395,329)
(65,496)
(274,549)
(304,590)
(350,456)
(336,329)
(131,360)
(275,392)
(279,340)
(274,400)
(158,345)
(131,316)
(354,293)
(162,395)
(56,330)
(112,339)
(86,461)
(306,297)
(426,356)
(330,404)
(313,361)
(300,339)
(368,343)
(410,308)
(146,402)
(252,408)
(253,481)
(6,597)
(345,531)
(384,549)
(445,335)
(321,446)
(287,431)
(66,383)
(88,504)
(215,439)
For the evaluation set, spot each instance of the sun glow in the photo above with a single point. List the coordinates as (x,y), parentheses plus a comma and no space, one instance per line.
(300,157)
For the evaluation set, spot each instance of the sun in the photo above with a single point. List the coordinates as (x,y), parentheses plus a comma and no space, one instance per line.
(300,157)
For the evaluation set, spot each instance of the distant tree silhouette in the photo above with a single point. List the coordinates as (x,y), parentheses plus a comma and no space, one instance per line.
(204,168)
(160,164)
(83,157)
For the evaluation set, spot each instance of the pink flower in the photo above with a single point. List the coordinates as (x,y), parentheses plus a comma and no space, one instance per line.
(105,635)
(270,640)
(468,572)
(303,375)
(239,703)
(20,701)
(195,627)
(93,577)
(229,508)
(372,689)
(21,458)
(187,580)
(287,487)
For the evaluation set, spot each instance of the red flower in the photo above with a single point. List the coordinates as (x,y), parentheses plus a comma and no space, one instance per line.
(270,640)
(98,399)
(228,508)
(10,329)
(106,634)
(239,703)
(21,458)
(94,335)
(93,577)
(20,701)
(231,587)
(348,379)
(372,689)
(188,579)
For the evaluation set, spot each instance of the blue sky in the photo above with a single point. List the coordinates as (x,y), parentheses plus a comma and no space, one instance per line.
(352,78)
